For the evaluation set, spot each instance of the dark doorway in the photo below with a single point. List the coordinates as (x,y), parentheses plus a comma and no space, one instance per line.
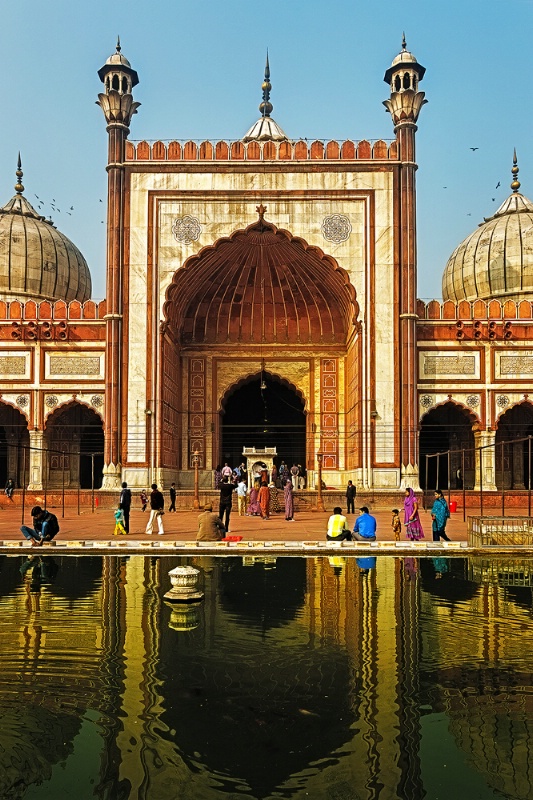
(77,432)
(263,413)
(514,459)
(447,427)
(14,442)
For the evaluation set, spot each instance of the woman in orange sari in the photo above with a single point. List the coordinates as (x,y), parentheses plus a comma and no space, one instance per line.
(264,500)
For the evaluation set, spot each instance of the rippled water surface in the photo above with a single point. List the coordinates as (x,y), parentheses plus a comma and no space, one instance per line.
(293,678)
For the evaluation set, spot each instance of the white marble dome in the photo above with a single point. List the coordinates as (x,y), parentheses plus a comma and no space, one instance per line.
(496,260)
(36,260)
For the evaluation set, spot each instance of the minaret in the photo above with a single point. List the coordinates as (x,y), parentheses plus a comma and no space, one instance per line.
(404,105)
(118,106)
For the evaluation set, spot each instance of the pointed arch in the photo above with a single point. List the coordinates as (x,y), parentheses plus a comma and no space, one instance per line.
(261,284)
(447,427)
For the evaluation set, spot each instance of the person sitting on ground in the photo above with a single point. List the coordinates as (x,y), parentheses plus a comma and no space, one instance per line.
(365,526)
(45,527)
(10,488)
(210,526)
(338,530)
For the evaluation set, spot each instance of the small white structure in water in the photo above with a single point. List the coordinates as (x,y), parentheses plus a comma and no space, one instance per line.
(184,585)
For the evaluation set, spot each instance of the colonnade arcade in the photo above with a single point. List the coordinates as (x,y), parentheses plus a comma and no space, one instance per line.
(68,452)
(506,460)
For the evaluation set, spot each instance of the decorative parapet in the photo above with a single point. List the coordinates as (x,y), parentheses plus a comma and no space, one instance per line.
(60,310)
(475,310)
(301,150)
(480,320)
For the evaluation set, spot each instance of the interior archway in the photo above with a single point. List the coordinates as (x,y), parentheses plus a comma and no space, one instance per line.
(514,460)
(447,427)
(74,436)
(263,411)
(14,437)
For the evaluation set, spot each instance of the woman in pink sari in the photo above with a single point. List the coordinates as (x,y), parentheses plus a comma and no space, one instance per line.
(412,518)
(254,509)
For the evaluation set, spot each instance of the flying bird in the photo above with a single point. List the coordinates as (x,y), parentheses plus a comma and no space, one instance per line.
(37,196)
(474,148)
(469,215)
(498,185)
(72,208)
(101,201)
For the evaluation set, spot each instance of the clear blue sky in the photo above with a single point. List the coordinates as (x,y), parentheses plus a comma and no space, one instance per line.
(200,66)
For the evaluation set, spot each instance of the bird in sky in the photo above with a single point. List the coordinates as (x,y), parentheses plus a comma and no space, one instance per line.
(498,185)
(474,148)
(444,187)
(37,196)
(72,208)
(68,212)
(101,201)
(469,215)
(493,199)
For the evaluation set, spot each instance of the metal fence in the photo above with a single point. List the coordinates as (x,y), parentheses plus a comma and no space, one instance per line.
(500,531)
(481,491)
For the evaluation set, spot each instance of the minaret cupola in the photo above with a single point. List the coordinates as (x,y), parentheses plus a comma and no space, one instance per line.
(119,79)
(403,76)
(265,129)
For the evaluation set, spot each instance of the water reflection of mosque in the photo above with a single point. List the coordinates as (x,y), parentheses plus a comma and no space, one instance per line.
(372,644)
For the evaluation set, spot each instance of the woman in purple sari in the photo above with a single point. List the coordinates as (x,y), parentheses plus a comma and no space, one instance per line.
(253,509)
(289,502)
(412,518)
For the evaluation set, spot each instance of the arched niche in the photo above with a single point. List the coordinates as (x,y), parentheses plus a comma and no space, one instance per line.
(447,427)
(74,438)
(14,443)
(514,447)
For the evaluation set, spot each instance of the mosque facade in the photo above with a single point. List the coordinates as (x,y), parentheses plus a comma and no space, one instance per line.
(262,292)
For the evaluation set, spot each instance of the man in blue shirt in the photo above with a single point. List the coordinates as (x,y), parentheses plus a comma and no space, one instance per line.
(364,529)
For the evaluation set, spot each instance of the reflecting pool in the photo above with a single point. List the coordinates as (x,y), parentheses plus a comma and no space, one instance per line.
(336,678)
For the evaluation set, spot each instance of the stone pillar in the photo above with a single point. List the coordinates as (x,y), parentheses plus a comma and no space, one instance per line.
(37,461)
(486,459)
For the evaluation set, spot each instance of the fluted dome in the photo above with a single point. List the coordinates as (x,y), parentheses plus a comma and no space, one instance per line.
(36,260)
(496,260)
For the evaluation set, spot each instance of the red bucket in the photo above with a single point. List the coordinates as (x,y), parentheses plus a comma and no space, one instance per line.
(453,506)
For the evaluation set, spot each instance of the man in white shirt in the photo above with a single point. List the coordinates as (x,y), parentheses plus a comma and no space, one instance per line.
(241,497)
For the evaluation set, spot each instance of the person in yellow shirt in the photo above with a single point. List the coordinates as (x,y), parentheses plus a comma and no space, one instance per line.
(338,529)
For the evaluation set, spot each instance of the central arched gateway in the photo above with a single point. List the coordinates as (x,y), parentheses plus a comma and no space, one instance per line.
(260,308)
(263,411)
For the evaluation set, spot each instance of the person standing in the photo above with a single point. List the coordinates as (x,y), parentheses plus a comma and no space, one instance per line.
(241,496)
(157,509)
(293,477)
(289,502)
(351,491)
(144,499)
(439,515)
(227,471)
(254,509)
(264,500)
(210,527)
(172,492)
(301,477)
(225,503)
(120,528)
(125,505)
(365,526)
(218,477)
(396,524)
(412,517)
(338,530)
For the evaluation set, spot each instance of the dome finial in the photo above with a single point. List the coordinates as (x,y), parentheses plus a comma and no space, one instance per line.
(266,106)
(19,188)
(515,185)
(118,44)
(404,43)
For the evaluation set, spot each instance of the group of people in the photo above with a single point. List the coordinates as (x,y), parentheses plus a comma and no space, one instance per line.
(365,525)
(260,502)
(278,477)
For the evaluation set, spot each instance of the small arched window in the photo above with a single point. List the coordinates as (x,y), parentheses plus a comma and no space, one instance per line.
(124,85)
(406,81)
(116,83)
(397,83)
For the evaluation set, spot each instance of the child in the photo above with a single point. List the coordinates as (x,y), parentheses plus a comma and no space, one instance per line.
(396,524)
(119,521)
(144,499)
